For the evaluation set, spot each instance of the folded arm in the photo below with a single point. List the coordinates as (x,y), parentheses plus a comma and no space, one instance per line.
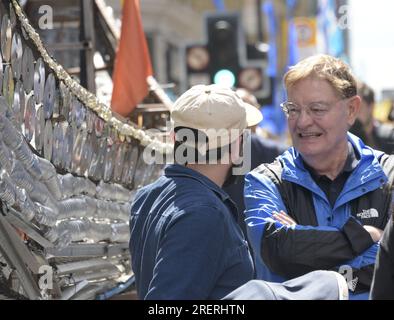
(290,249)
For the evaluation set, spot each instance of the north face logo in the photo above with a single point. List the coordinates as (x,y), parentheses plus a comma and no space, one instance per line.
(352,284)
(369,213)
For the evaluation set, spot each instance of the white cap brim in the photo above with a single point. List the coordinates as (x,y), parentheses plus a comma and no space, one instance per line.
(253,115)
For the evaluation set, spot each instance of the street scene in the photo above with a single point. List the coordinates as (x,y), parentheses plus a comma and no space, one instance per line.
(196,150)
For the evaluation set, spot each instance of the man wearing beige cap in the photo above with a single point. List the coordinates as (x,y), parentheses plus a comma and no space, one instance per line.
(185,241)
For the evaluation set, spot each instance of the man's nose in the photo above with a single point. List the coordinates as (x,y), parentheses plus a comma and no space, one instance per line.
(304,119)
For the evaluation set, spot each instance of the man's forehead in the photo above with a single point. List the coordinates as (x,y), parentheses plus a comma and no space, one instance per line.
(312,90)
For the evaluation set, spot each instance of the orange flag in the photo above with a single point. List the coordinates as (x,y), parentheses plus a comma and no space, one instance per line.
(132,63)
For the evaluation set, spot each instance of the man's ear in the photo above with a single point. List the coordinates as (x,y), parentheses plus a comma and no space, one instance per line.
(353,109)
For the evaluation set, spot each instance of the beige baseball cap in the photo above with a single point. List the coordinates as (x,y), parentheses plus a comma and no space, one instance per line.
(216,111)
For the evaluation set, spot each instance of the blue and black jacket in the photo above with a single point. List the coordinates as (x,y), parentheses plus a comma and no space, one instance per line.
(325,237)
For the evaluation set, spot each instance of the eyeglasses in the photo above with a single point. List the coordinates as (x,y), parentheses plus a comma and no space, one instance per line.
(316,110)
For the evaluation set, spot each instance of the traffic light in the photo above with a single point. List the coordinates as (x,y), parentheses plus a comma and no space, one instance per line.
(223,47)
(197,65)
(226,59)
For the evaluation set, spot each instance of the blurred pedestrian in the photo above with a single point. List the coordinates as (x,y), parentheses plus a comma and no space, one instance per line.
(374,133)
(262,151)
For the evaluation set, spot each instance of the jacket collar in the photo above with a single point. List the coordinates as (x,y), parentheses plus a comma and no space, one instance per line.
(368,168)
(351,163)
(176,170)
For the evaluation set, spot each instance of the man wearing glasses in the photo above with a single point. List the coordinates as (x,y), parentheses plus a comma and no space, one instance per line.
(324,202)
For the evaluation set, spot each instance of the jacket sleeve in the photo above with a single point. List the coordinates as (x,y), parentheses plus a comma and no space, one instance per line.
(293,251)
(367,258)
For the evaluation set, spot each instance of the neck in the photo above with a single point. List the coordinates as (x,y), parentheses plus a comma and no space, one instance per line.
(329,166)
(369,127)
(215,172)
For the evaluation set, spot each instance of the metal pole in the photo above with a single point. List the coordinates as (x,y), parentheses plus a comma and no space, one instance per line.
(259,21)
(87,75)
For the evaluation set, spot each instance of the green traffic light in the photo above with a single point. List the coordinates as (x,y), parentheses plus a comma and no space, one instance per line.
(225,78)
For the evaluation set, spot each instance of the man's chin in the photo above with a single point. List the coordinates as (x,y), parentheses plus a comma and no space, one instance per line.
(308,151)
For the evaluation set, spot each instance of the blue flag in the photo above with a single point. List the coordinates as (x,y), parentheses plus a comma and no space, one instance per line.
(292,45)
(274,119)
(219,5)
(269,11)
(331,33)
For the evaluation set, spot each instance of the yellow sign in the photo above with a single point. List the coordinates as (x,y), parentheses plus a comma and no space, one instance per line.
(306,31)
(382,110)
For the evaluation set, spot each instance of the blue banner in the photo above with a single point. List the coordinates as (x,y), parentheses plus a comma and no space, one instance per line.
(331,33)
(274,120)
(269,11)
(219,5)
(292,45)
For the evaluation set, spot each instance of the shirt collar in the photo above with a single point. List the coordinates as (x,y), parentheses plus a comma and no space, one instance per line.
(351,162)
(176,170)
(352,159)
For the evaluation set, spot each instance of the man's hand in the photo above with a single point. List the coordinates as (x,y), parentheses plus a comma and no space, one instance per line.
(375,233)
(283,218)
